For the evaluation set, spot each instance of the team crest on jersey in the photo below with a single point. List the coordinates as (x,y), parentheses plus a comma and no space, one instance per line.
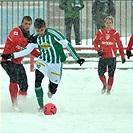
(45,45)
(107,36)
(15,33)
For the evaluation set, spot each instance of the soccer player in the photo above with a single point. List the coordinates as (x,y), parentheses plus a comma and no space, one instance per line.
(106,42)
(17,40)
(50,62)
(129,47)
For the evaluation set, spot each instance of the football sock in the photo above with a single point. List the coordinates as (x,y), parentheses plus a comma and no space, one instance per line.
(103,79)
(39,95)
(13,89)
(110,83)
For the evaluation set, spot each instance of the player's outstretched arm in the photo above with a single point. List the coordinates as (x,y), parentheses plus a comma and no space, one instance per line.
(24,52)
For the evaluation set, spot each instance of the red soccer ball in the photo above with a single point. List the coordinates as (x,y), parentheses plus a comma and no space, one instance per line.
(49,109)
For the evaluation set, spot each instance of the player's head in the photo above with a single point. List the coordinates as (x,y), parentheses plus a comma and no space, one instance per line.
(26,22)
(40,26)
(108,21)
(109,18)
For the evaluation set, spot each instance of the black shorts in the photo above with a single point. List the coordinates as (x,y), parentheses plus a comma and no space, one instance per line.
(16,73)
(102,66)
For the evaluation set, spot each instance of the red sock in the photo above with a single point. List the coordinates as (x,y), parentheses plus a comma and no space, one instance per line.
(103,79)
(110,83)
(22,93)
(13,88)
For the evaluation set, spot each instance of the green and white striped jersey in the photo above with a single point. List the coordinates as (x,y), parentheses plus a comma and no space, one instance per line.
(51,47)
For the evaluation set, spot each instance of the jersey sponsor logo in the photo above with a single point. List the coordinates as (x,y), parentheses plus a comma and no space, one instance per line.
(15,33)
(45,45)
(107,43)
(19,47)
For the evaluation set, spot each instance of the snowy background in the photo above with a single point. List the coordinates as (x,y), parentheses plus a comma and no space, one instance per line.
(80,105)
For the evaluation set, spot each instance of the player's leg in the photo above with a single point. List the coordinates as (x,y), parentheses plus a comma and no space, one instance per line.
(76,23)
(9,67)
(52,88)
(22,80)
(68,28)
(38,88)
(54,74)
(101,70)
(111,71)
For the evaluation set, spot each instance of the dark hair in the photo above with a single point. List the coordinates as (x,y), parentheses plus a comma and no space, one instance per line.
(27,18)
(39,23)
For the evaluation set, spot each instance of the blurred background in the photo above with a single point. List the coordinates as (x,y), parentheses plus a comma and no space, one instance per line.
(12,12)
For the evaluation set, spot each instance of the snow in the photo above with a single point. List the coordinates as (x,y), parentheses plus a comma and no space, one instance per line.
(80,105)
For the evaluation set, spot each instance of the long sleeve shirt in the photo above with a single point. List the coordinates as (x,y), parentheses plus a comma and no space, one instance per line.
(108,42)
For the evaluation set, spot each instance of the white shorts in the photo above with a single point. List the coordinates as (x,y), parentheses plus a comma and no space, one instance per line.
(51,70)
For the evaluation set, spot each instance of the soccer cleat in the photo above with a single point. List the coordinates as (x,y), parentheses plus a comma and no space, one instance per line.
(108,92)
(15,108)
(103,89)
(40,109)
(49,94)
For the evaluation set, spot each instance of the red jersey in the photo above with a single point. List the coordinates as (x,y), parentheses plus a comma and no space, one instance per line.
(107,42)
(16,42)
(130,44)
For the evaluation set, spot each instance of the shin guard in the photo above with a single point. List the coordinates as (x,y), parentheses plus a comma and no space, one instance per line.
(110,83)
(39,95)
(13,89)
(103,80)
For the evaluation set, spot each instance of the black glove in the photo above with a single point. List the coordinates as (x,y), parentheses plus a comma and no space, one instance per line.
(128,53)
(100,53)
(76,8)
(7,56)
(123,60)
(32,39)
(81,61)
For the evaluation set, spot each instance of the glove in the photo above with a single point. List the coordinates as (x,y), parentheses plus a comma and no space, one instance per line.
(123,60)
(76,8)
(81,61)
(100,53)
(7,56)
(128,53)
(32,39)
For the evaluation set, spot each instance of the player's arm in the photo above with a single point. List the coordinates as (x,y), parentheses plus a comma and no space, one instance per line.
(120,47)
(69,47)
(35,52)
(24,52)
(129,47)
(96,42)
(130,44)
(16,38)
